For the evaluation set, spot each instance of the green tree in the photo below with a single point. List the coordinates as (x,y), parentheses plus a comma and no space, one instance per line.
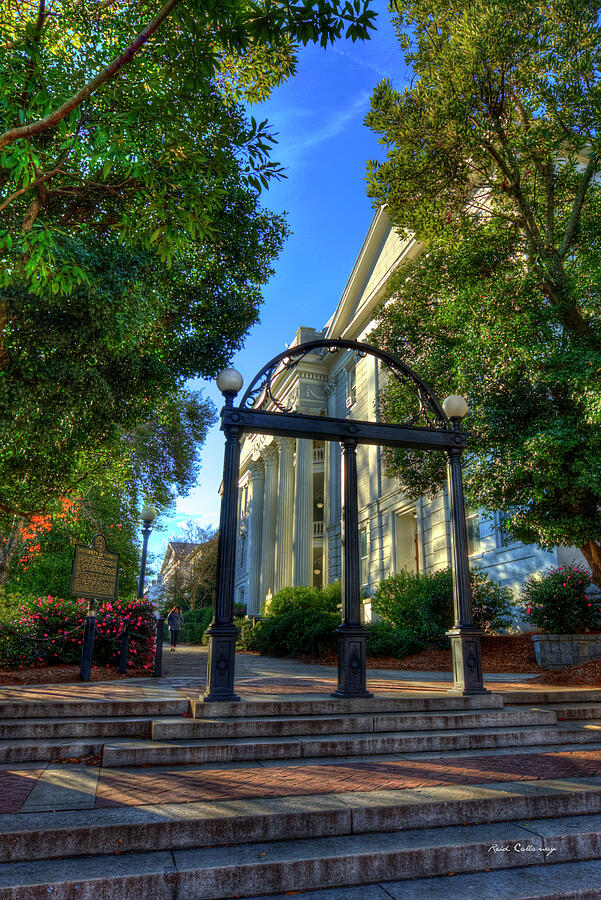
(492,157)
(124,118)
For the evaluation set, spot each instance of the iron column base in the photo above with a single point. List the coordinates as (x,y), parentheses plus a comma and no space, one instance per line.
(467,660)
(351,662)
(220,666)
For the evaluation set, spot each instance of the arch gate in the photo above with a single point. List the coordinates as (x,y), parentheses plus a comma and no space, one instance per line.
(437,433)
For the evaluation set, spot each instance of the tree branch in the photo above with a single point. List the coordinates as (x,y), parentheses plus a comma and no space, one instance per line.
(53,118)
(585,181)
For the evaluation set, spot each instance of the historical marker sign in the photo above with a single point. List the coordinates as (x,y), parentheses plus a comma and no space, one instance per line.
(95,572)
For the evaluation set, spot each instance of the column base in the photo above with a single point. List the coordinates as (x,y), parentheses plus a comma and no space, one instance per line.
(221,664)
(351,662)
(467,660)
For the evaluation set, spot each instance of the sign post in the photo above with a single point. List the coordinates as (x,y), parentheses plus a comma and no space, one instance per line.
(94,576)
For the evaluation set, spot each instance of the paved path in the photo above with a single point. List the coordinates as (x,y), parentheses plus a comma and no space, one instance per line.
(257,676)
(33,787)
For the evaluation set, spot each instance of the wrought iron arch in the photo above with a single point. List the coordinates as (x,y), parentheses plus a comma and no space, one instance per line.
(259,390)
(435,434)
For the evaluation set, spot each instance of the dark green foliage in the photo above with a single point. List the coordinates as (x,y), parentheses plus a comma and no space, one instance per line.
(559,601)
(385,639)
(196,622)
(301,620)
(421,604)
(304,598)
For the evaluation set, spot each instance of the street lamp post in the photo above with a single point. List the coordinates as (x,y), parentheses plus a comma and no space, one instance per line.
(222,632)
(148,515)
(464,635)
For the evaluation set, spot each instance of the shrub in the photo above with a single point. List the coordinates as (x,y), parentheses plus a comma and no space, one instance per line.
(559,601)
(196,622)
(422,604)
(304,598)
(52,630)
(301,620)
(385,639)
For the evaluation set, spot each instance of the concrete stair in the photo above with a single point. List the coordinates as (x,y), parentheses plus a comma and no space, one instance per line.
(426,842)
(128,734)
(240,848)
(31,732)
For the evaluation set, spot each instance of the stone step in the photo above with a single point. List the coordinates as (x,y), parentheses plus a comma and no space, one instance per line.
(323,705)
(561,881)
(30,729)
(143,753)
(567,711)
(94,832)
(552,696)
(244,870)
(94,708)
(20,751)
(191,729)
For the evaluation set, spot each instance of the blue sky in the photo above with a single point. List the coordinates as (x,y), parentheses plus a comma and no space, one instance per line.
(323,146)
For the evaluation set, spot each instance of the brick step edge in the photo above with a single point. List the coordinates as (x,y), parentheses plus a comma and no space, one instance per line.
(220,873)
(178,825)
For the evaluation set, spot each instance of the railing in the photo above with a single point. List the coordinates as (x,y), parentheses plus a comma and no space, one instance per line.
(317,529)
(318,454)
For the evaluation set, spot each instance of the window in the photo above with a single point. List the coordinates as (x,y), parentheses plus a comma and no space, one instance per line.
(406,550)
(502,535)
(351,385)
(364,556)
(243,549)
(472,520)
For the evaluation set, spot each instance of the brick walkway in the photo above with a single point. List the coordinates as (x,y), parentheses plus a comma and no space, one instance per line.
(128,788)
(16,785)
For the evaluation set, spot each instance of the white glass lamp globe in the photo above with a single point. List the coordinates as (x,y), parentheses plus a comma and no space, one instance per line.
(455,407)
(229,380)
(148,514)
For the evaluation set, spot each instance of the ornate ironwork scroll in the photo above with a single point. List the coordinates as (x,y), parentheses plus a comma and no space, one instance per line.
(260,392)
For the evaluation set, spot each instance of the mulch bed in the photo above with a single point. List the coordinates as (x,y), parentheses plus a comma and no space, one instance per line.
(65,675)
(584,673)
(500,653)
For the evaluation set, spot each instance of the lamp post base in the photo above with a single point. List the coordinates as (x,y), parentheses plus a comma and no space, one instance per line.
(467,660)
(221,664)
(351,662)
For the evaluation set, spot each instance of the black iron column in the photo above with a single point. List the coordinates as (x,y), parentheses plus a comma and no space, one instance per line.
(465,636)
(222,632)
(148,517)
(351,634)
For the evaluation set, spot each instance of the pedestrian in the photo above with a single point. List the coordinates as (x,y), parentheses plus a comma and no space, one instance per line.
(175,620)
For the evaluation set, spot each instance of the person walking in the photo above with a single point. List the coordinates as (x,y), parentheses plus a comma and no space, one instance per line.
(175,620)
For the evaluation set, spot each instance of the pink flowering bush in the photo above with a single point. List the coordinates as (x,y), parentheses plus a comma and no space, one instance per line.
(56,626)
(560,601)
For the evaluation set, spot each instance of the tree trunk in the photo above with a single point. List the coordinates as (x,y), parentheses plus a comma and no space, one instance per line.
(592,554)
(7,549)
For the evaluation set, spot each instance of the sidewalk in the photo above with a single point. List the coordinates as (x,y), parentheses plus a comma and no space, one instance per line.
(256,676)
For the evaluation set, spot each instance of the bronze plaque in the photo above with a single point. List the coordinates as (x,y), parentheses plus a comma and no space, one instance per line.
(95,572)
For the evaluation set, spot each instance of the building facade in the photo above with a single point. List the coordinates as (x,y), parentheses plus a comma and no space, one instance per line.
(290,510)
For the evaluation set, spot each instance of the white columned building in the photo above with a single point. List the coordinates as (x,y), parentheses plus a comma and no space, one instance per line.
(284,558)
(291,521)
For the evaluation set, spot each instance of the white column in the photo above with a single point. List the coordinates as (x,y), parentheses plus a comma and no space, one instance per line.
(284,557)
(269,521)
(303,520)
(257,474)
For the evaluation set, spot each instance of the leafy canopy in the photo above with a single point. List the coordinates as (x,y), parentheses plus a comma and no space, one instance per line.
(123,117)
(493,164)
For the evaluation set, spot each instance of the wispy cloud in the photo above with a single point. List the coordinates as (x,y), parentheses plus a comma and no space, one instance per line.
(320,130)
